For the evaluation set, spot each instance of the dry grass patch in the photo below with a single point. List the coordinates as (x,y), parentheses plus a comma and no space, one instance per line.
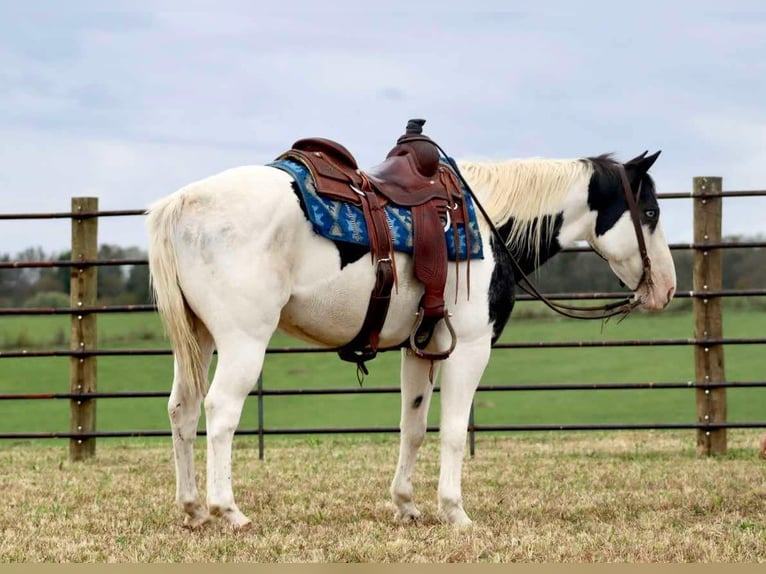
(613,497)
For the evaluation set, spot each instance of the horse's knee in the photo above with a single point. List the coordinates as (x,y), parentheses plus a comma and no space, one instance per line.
(414,435)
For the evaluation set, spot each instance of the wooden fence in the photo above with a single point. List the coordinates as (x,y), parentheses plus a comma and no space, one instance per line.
(710,384)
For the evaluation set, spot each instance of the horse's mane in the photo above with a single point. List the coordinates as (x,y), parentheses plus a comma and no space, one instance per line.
(525,190)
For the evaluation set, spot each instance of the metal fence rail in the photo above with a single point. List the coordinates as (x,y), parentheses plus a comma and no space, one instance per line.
(395,390)
(709,342)
(146,308)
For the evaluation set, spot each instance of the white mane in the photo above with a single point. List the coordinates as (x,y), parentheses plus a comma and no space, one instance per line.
(525,190)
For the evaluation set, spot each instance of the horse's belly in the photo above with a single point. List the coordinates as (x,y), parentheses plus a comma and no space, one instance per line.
(329,307)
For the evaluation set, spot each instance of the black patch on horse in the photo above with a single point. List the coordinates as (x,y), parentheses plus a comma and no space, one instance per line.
(549,245)
(501,287)
(601,193)
(501,294)
(348,252)
(605,195)
(417,402)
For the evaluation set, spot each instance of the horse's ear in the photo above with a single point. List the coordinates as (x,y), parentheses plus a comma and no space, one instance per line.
(648,161)
(643,162)
(637,159)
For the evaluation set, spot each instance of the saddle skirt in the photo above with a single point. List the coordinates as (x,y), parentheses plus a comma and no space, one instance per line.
(343,221)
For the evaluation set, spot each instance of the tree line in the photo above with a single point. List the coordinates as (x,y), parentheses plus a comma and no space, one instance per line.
(743,268)
(49,286)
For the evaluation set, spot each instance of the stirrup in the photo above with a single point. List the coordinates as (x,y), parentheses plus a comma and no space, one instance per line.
(437,355)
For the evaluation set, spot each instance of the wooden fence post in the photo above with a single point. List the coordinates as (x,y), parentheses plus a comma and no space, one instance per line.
(708,321)
(82,370)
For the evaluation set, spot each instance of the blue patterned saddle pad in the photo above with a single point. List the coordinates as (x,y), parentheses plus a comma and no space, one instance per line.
(341,221)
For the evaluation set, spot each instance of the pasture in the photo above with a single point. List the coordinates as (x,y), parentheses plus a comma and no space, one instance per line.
(637,497)
(508,366)
(539,497)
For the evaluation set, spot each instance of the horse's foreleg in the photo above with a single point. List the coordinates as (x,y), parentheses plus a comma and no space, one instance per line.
(239,364)
(184,412)
(416,398)
(461,375)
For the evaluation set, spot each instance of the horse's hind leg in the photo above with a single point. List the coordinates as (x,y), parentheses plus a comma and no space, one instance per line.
(416,398)
(240,359)
(184,412)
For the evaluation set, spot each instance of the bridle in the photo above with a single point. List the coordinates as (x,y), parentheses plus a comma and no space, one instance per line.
(621,307)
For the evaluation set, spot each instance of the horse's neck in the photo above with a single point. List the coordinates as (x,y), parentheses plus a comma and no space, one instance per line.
(539,206)
(525,254)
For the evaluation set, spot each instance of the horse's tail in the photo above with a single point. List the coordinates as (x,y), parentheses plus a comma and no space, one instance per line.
(177,316)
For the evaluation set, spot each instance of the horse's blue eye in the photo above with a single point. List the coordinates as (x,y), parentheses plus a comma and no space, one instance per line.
(651,213)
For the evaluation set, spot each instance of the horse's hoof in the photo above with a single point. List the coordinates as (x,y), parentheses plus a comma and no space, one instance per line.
(410,514)
(457,518)
(196,522)
(462,524)
(245,527)
(235,518)
(196,517)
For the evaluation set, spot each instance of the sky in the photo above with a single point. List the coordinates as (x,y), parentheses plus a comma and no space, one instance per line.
(130,100)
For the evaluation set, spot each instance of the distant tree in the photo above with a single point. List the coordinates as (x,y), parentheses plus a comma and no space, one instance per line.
(742,269)
(137,285)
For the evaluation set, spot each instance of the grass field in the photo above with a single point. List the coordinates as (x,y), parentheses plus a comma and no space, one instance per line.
(621,497)
(531,366)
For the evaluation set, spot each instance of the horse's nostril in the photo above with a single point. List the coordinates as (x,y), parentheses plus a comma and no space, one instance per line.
(671,292)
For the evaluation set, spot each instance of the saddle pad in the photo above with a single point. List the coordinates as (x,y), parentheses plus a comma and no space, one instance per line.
(341,221)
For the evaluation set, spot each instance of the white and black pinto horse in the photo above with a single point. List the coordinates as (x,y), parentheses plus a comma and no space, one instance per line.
(233,258)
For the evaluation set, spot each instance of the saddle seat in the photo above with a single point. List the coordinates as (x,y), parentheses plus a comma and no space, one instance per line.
(411,176)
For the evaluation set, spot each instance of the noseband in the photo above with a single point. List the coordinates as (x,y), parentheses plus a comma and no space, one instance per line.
(621,307)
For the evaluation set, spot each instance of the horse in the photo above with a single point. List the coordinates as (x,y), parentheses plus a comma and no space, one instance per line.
(233,258)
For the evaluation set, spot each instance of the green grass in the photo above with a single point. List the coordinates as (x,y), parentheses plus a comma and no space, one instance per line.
(515,366)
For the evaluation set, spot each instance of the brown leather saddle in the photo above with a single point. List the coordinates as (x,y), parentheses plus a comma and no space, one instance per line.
(411,176)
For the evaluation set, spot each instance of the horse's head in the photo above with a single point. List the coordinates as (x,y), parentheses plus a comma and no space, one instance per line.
(614,235)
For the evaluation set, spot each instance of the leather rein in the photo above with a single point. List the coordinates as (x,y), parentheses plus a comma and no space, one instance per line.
(596,312)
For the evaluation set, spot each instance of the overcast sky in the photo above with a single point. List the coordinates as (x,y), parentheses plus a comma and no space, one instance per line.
(129,100)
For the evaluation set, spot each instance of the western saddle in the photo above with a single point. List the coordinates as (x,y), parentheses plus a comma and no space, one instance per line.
(411,176)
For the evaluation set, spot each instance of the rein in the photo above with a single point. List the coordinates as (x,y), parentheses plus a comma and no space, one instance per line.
(596,312)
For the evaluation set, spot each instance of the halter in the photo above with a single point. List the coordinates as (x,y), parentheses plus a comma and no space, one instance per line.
(622,307)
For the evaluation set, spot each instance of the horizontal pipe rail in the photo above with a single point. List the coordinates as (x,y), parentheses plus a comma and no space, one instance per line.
(74,214)
(138,212)
(581,296)
(395,390)
(516,345)
(79,310)
(69,263)
(729,193)
(144,261)
(686,246)
(393,430)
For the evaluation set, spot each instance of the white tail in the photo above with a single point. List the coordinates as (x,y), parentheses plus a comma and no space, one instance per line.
(176,315)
